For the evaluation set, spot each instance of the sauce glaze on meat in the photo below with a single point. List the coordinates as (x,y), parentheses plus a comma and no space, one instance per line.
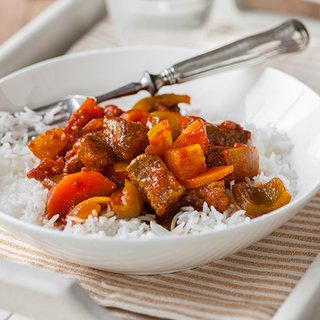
(149,158)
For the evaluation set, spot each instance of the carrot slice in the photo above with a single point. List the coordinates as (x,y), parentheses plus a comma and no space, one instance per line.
(48,144)
(194,133)
(212,174)
(74,188)
(186,162)
(82,116)
(138,115)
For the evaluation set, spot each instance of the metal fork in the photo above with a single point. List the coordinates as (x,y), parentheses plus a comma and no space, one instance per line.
(291,36)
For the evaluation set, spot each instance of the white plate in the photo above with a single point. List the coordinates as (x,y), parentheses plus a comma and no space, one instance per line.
(254,95)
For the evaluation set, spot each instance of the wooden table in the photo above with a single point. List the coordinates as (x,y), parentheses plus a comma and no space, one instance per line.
(14,14)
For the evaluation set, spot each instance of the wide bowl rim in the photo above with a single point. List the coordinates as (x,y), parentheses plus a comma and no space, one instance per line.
(40,230)
(71,56)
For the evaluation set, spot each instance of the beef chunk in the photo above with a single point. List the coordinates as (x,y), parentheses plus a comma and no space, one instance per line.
(234,133)
(46,168)
(94,152)
(215,157)
(227,134)
(158,185)
(161,107)
(73,165)
(127,139)
(111,110)
(215,135)
(214,194)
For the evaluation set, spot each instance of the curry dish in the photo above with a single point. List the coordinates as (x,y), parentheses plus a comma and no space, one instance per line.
(149,159)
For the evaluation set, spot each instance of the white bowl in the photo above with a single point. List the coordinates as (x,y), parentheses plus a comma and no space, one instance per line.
(249,94)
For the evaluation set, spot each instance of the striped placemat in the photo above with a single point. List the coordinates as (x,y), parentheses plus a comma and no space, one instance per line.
(251,284)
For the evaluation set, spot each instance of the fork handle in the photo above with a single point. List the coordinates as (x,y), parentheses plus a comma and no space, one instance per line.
(290,36)
(127,90)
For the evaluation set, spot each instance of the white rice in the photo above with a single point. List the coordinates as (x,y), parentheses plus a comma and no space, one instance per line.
(25,198)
